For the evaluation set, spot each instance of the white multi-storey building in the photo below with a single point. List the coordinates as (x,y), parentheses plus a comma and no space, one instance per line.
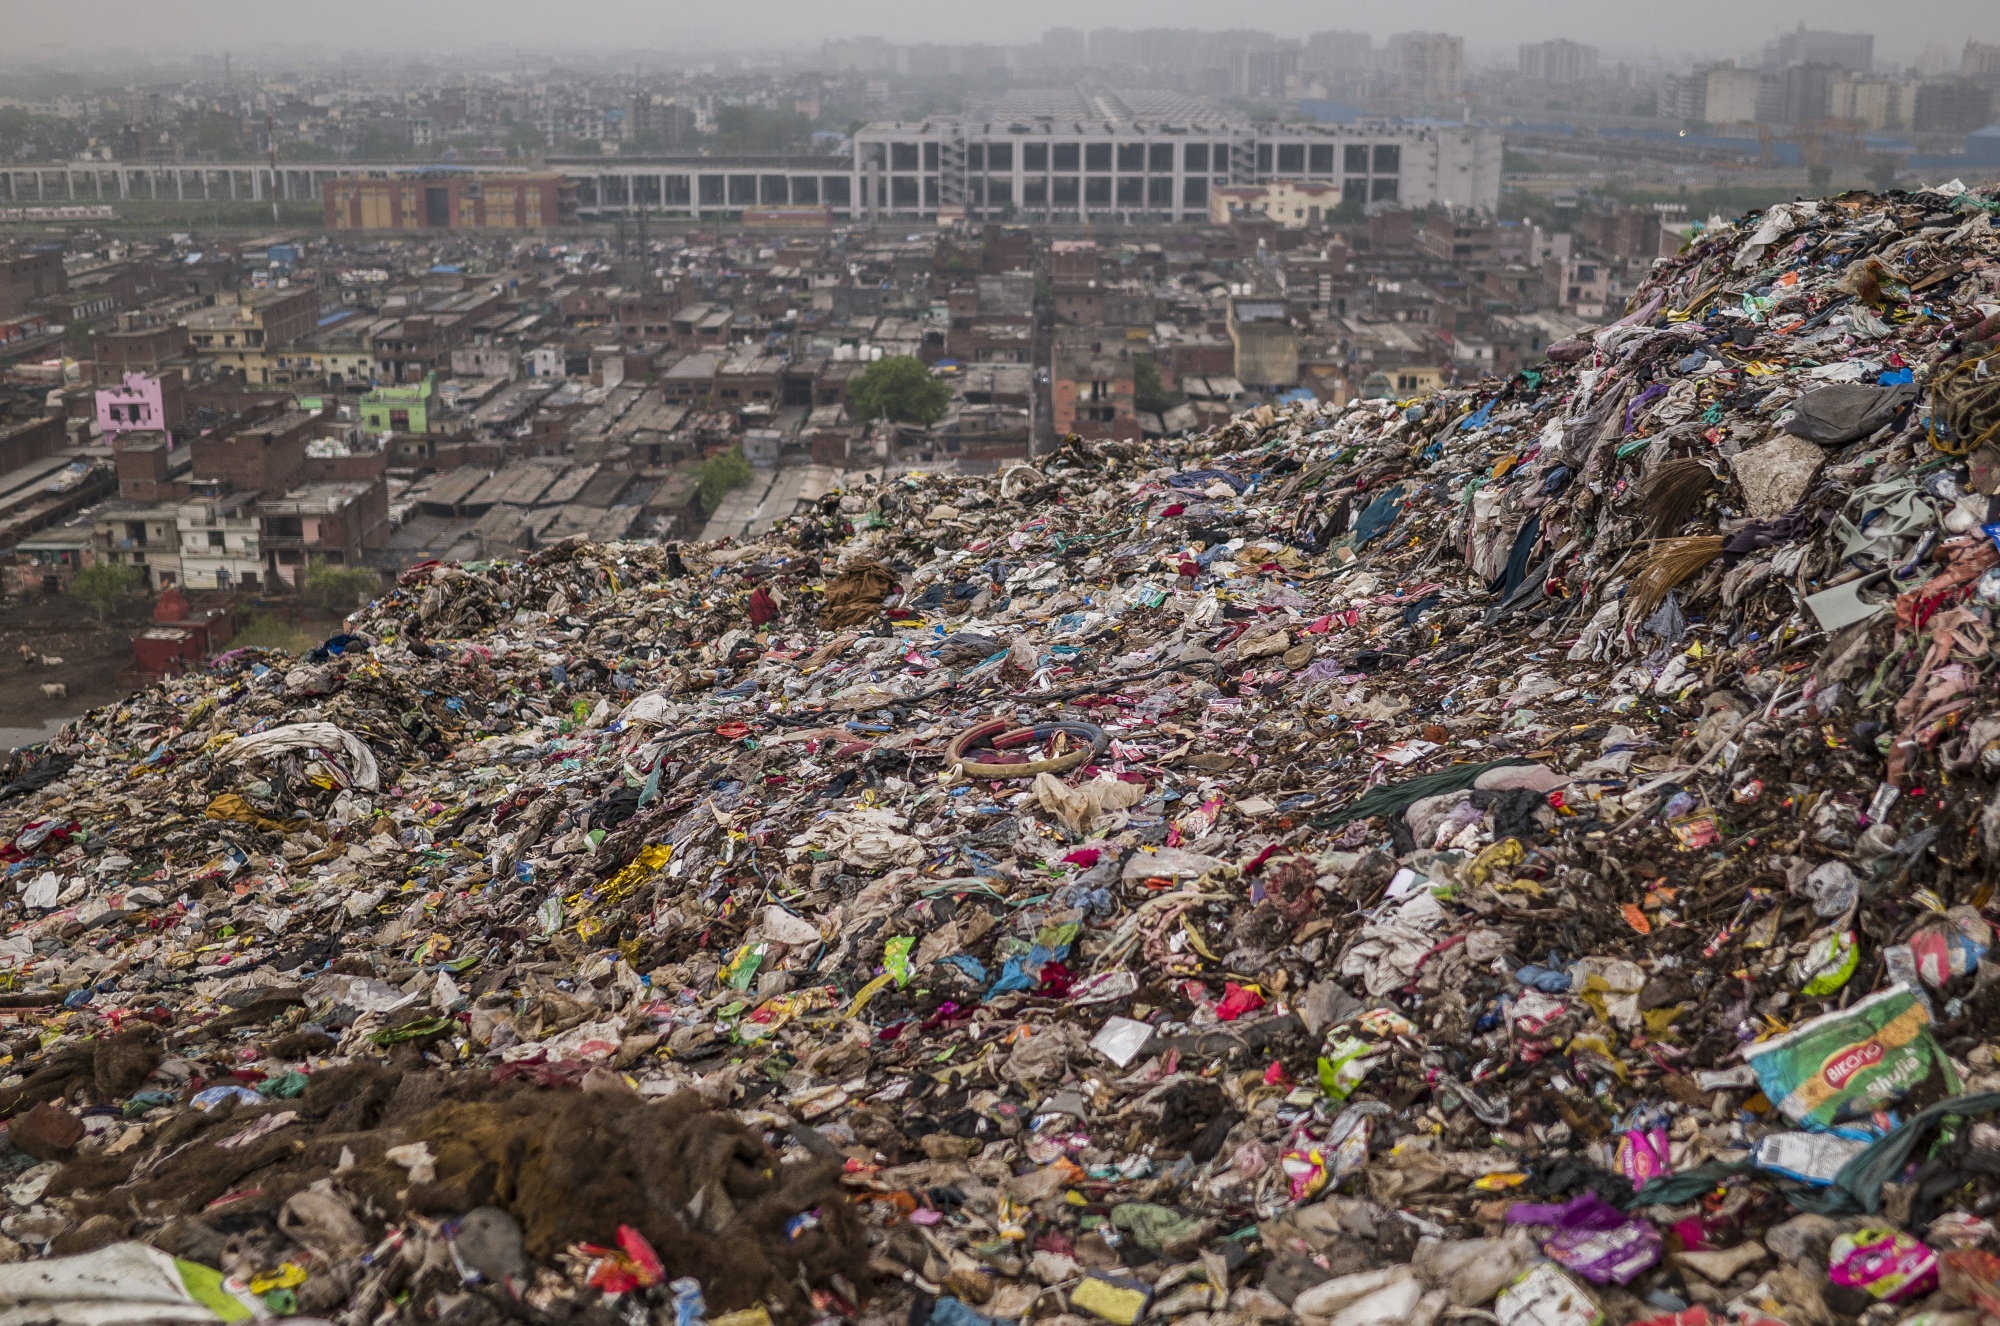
(1158,171)
(1042,168)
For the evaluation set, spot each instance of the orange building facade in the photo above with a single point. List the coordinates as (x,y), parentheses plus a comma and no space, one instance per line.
(450,201)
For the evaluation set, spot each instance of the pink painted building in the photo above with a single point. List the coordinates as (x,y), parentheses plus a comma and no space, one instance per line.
(137,402)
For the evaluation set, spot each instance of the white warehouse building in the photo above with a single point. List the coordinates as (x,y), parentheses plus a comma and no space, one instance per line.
(1056,170)
(1044,168)
(1156,172)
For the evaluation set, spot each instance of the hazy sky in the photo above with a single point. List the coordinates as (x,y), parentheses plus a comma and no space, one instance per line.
(398,29)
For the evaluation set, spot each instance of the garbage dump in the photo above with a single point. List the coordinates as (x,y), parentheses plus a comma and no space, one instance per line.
(1524,854)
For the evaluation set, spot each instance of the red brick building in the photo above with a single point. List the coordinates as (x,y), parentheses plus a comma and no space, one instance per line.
(268,456)
(137,349)
(1091,388)
(31,441)
(28,276)
(331,523)
(150,467)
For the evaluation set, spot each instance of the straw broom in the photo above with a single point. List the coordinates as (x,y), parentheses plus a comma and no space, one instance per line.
(1670,494)
(1668,563)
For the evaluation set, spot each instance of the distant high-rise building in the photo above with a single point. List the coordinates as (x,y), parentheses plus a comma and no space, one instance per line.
(1874,103)
(1169,48)
(925,59)
(1267,74)
(1808,93)
(1953,105)
(1981,57)
(1844,50)
(1338,52)
(1430,66)
(1770,99)
(1114,46)
(858,55)
(1935,62)
(980,58)
(1064,48)
(1558,61)
(664,123)
(1716,94)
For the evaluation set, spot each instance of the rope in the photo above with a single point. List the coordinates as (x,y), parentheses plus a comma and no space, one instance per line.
(1968,405)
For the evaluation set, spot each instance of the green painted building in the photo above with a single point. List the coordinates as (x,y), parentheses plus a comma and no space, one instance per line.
(408,409)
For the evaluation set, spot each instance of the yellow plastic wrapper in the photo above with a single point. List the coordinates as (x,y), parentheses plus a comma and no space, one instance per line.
(1112,1301)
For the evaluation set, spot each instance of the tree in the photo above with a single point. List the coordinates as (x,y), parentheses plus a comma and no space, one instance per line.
(1882,174)
(719,474)
(1148,392)
(524,140)
(382,142)
(1350,212)
(215,134)
(340,589)
(104,585)
(898,388)
(1819,178)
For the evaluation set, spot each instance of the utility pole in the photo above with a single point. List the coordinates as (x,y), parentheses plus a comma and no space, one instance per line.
(271,145)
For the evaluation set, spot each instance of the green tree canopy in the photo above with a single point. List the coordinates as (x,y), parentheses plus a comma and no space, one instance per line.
(104,585)
(898,388)
(382,142)
(1149,393)
(720,473)
(524,140)
(215,133)
(340,588)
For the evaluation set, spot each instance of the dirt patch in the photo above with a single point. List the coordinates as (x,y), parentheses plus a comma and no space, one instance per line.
(93,655)
(97,665)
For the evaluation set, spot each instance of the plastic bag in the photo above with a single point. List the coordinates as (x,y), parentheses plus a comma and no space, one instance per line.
(1852,1062)
(1593,1238)
(1887,1265)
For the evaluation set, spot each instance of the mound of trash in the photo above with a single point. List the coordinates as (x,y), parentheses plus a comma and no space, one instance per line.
(1523,853)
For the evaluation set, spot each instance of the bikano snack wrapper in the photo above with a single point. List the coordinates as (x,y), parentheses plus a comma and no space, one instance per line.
(1847,1064)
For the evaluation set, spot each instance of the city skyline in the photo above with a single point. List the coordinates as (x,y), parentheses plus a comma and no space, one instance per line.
(623,29)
